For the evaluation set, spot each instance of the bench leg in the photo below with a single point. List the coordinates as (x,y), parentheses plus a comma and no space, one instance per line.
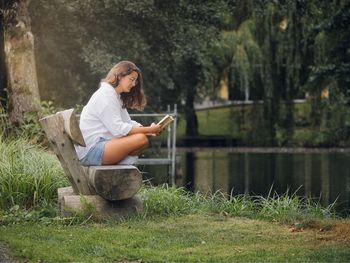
(71,204)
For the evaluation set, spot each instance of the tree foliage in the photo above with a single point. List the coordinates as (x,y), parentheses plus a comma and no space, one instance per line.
(275,51)
(167,39)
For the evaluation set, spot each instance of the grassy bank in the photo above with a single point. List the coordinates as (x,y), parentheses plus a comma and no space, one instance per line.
(245,125)
(286,208)
(190,238)
(30,176)
(176,226)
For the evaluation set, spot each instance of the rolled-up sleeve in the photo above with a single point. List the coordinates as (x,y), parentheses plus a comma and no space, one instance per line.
(110,117)
(135,123)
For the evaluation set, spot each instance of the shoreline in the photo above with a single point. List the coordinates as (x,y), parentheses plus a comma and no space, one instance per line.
(263,149)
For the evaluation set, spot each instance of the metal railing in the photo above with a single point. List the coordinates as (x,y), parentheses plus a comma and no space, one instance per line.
(171,143)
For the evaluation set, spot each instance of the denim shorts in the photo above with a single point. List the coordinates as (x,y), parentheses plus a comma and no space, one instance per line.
(95,154)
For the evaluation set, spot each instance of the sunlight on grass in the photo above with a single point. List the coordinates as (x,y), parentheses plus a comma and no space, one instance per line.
(29,176)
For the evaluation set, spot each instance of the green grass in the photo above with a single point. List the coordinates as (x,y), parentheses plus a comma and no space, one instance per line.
(245,123)
(177,226)
(164,201)
(286,208)
(190,238)
(210,120)
(235,119)
(29,175)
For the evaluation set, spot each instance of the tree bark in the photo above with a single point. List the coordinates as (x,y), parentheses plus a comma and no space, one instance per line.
(190,113)
(22,81)
(191,78)
(3,79)
(114,182)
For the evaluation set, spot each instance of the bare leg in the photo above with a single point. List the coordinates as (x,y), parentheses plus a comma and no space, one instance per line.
(118,148)
(138,151)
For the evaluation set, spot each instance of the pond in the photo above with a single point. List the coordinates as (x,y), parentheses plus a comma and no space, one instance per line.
(320,174)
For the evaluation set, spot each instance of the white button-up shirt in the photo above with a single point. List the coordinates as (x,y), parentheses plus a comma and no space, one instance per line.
(103,116)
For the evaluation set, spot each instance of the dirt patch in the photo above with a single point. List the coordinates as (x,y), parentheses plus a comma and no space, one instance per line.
(4,255)
(341,231)
(338,232)
(327,231)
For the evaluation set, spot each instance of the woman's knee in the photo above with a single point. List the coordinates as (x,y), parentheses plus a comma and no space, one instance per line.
(142,139)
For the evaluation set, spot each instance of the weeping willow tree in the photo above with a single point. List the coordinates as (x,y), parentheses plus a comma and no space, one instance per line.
(242,56)
(237,55)
(291,60)
(283,50)
(240,70)
(280,51)
(264,53)
(263,57)
(286,54)
(329,83)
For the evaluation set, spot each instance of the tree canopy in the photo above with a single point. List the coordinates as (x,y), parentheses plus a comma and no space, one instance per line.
(274,51)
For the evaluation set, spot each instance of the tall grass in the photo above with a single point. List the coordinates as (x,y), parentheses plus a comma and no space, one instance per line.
(29,175)
(286,208)
(290,207)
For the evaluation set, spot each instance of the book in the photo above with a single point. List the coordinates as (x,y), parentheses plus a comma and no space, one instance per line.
(165,121)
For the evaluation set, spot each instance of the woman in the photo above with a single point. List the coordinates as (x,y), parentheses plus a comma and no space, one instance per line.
(110,135)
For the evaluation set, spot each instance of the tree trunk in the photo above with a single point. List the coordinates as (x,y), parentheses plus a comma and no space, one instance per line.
(22,81)
(191,78)
(190,113)
(3,79)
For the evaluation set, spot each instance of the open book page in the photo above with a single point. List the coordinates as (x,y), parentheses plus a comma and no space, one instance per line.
(165,121)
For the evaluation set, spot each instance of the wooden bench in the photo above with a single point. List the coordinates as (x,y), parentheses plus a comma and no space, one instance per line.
(110,191)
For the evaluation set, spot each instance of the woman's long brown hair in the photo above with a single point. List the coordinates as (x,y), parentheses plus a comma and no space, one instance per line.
(135,99)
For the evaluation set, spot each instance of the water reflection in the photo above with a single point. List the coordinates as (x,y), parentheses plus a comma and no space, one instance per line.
(325,176)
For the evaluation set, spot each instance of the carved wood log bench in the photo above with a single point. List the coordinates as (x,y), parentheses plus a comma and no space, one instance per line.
(110,190)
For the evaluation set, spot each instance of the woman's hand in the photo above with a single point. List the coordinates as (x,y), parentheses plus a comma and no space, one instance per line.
(155,130)
(152,130)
